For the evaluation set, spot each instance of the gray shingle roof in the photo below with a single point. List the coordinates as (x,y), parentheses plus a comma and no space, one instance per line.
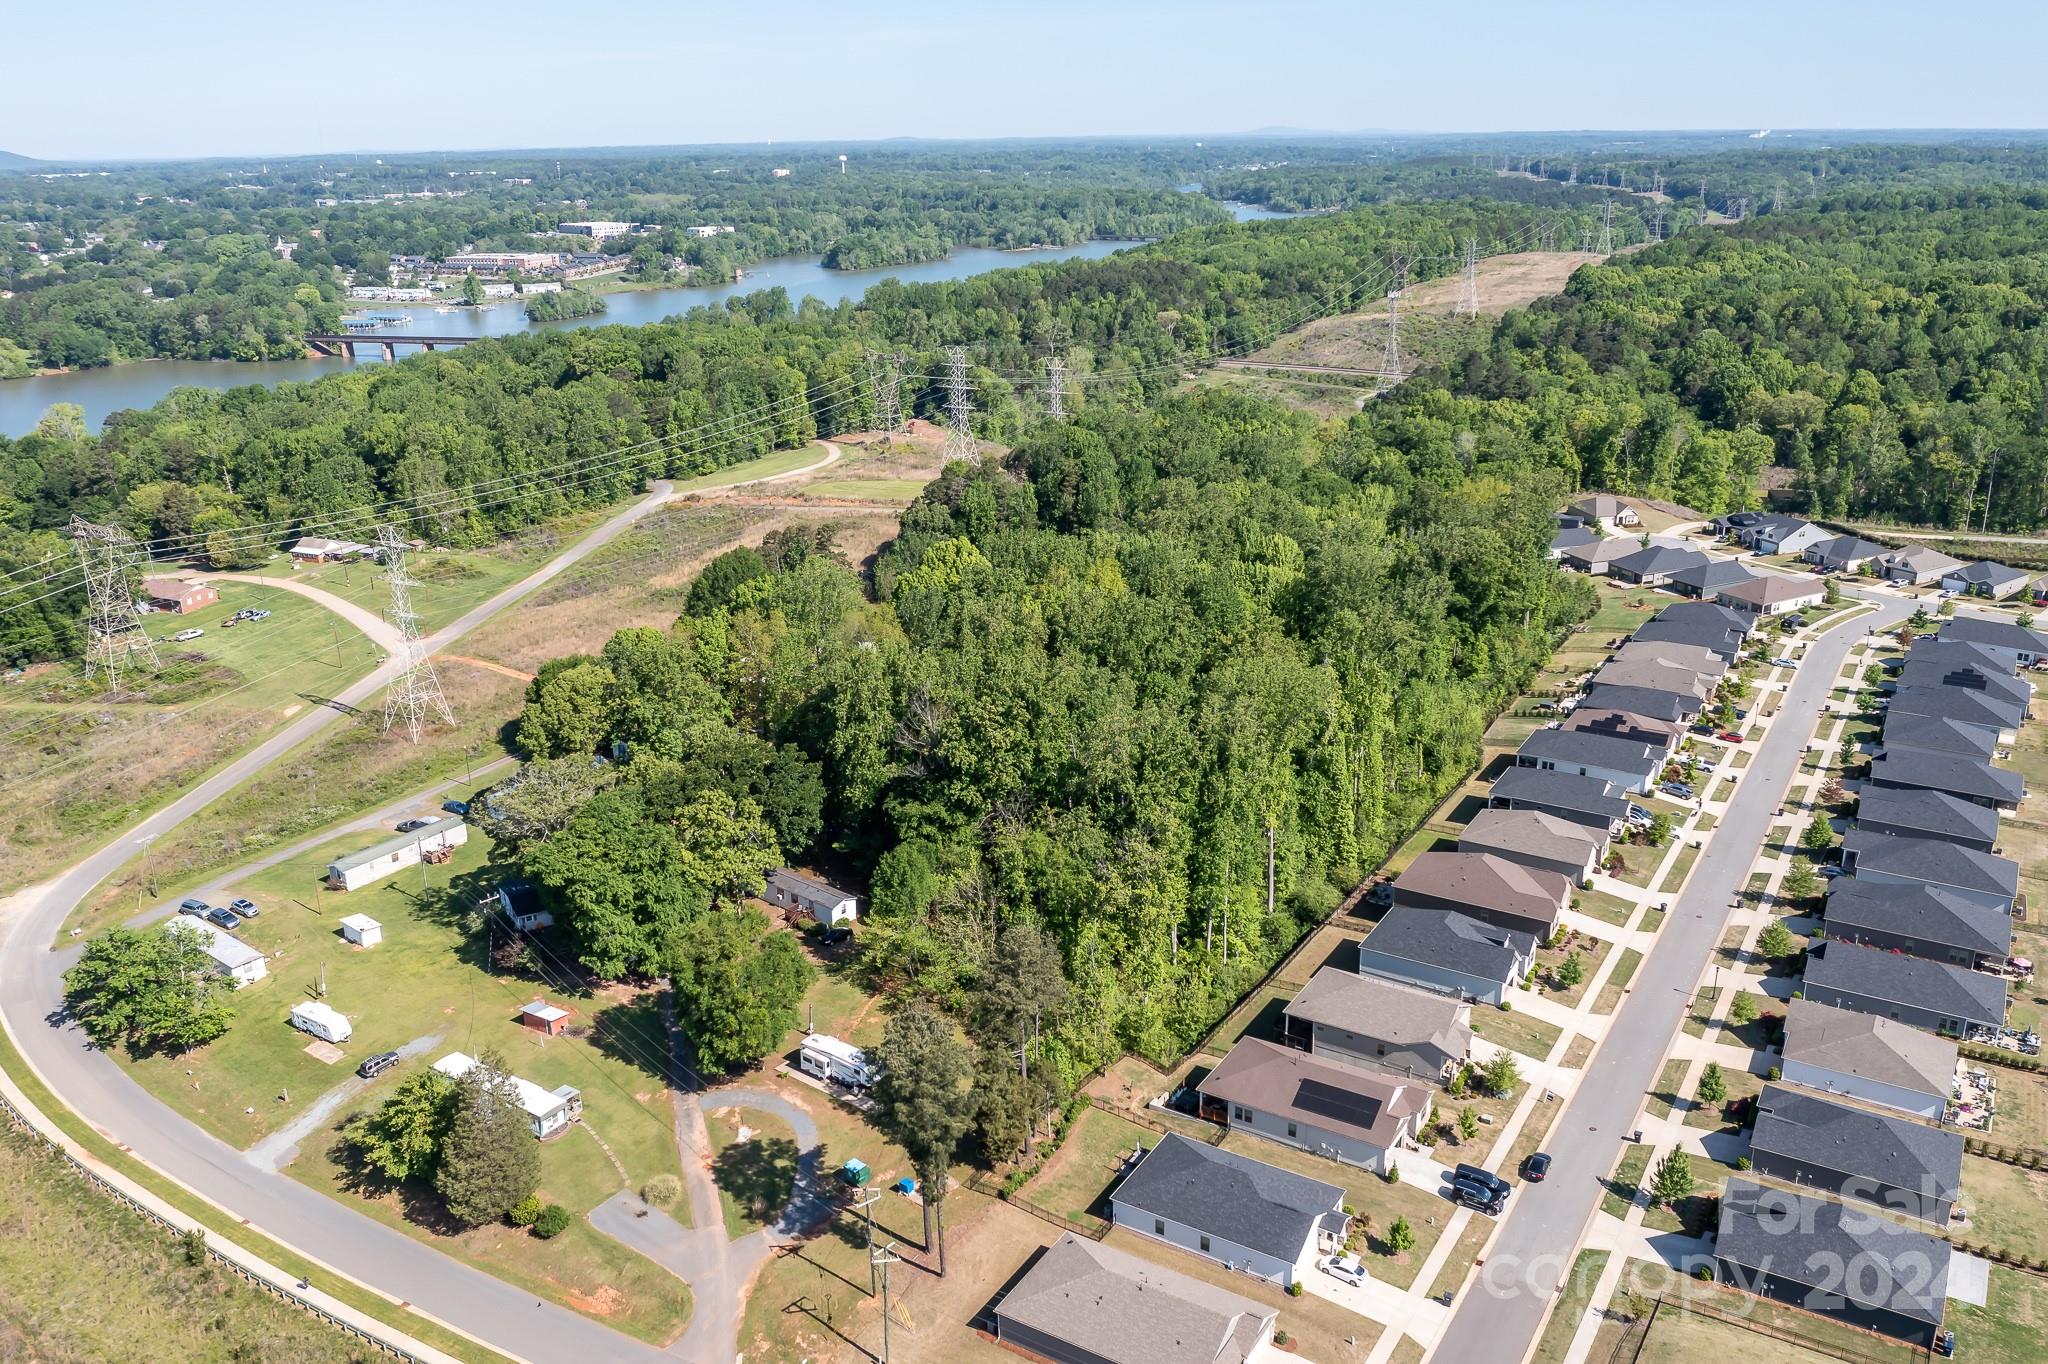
(1660,559)
(1933,861)
(1960,704)
(1927,913)
(1565,790)
(1954,652)
(1997,634)
(1771,589)
(1571,536)
(1837,1136)
(1921,559)
(1121,1308)
(1937,734)
(1456,942)
(1259,1206)
(1988,573)
(1592,750)
(1707,634)
(1952,772)
(1690,612)
(1846,547)
(1713,575)
(1942,815)
(2000,683)
(1655,702)
(1384,1010)
(1847,1251)
(1882,1050)
(1507,832)
(1894,978)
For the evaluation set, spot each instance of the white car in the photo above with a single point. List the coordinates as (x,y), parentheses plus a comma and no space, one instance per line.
(1345,1268)
(193,633)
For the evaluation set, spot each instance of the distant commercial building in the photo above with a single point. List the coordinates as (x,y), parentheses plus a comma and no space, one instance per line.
(597,231)
(504,262)
(711,230)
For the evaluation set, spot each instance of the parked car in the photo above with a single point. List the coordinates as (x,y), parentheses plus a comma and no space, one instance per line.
(1678,790)
(455,807)
(192,904)
(1729,736)
(231,622)
(244,907)
(1536,1167)
(1478,1196)
(1829,873)
(1473,1174)
(1344,1268)
(259,615)
(226,918)
(191,633)
(406,826)
(377,1065)
(1783,662)
(1795,622)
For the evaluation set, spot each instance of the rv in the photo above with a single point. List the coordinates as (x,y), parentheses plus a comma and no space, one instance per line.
(828,1058)
(322,1020)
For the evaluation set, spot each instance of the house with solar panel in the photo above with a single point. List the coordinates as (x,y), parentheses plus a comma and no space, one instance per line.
(1316,1103)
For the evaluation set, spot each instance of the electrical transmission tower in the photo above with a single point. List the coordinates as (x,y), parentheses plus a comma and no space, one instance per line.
(1778,198)
(959,408)
(1468,298)
(1573,178)
(1741,208)
(1703,203)
(1056,389)
(1390,358)
(885,383)
(108,555)
(1657,223)
(415,695)
(1607,228)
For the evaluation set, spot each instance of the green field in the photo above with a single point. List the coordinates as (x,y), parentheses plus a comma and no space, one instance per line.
(754,1176)
(869,489)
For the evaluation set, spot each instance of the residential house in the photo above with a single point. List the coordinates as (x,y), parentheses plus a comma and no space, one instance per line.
(1629,765)
(1732,523)
(1916,564)
(1610,511)
(1840,1051)
(548,1111)
(1982,877)
(810,897)
(1538,841)
(1704,580)
(1651,673)
(1958,653)
(1486,887)
(1663,735)
(520,903)
(232,957)
(1591,801)
(1999,684)
(1826,1258)
(1905,733)
(1909,813)
(2025,648)
(1597,556)
(1962,705)
(1775,533)
(1571,537)
(1443,950)
(1898,1164)
(1709,665)
(1771,595)
(1986,579)
(178,595)
(1242,1213)
(1345,1112)
(1706,612)
(1921,921)
(1657,703)
(1842,554)
(353,871)
(1706,632)
(1381,1024)
(1966,778)
(1916,990)
(1084,1303)
(1653,567)
(318,549)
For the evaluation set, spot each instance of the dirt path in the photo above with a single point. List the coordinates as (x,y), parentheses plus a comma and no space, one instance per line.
(384,634)
(488,666)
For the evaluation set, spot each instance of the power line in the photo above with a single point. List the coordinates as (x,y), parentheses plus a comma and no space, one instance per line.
(1390,357)
(107,557)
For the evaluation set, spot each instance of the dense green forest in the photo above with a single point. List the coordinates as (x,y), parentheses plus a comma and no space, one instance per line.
(1081,692)
(562,303)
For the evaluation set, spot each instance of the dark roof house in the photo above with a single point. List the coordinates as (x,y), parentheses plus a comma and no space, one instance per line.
(1444,950)
(1955,774)
(1582,800)
(1704,580)
(2022,644)
(1921,920)
(1261,1207)
(1916,990)
(1537,840)
(1486,887)
(1655,565)
(1894,1162)
(1914,813)
(1934,734)
(1959,704)
(1981,876)
(1388,1025)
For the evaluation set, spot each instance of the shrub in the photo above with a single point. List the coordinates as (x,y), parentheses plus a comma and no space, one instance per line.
(552,1222)
(1742,1162)
(525,1212)
(1702,1273)
(662,1190)
(1777,1073)
(1400,1236)
(193,1243)
(1294,1290)
(1280,1336)
(1392,1174)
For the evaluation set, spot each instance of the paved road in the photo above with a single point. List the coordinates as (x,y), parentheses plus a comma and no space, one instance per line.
(1499,1316)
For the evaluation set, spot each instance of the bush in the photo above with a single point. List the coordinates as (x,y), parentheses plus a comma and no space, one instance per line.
(1742,1162)
(1777,1073)
(1702,1273)
(525,1212)
(1294,1290)
(552,1222)
(1280,1336)
(662,1190)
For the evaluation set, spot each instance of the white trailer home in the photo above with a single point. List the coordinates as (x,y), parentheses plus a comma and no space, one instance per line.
(373,864)
(232,957)
(828,1058)
(322,1020)
(827,904)
(548,1111)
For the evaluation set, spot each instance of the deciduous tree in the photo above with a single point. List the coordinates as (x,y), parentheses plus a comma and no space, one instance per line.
(489,1158)
(924,1102)
(737,985)
(149,988)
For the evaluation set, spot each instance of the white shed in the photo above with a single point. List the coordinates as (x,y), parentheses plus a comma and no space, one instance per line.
(362,930)
(322,1020)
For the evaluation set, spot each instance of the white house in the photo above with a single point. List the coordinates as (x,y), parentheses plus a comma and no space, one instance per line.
(1242,1213)
(519,902)
(1916,564)
(550,1110)
(231,956)
(1611,512)
(1772,595)
(324,1021)
(374,863)
(807,895)
(362,930)
(318,549)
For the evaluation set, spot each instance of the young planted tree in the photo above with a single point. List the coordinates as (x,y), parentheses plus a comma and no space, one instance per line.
(1819,837)
(1400,1236)
(1468,1123)
(489,1159)
(925,1104)
(1802,882)
(1776,941)
(1742,1009)
(1672,1182)
(148,988)
(1502,1074)
(1571,971)
(1659,831)
(1713,1086)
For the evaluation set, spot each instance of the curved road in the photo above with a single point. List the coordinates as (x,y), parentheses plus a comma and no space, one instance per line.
(380,631)
(1499,1316)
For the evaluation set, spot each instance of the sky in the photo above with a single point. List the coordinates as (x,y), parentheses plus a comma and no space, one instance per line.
(227,77)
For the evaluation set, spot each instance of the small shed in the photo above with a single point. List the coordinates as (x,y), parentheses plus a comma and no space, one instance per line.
(807,895)
(322,1020)
(543,1017)
(177,595)
(362,930)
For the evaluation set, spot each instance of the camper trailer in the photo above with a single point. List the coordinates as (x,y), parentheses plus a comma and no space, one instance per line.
(828,1058)
(324,1021)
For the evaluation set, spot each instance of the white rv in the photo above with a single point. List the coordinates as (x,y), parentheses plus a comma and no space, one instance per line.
(828,1058)
(324,1021)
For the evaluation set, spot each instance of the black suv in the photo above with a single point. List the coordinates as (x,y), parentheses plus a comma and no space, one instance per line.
(1485,1179)
(1484,1197)
(377,1065)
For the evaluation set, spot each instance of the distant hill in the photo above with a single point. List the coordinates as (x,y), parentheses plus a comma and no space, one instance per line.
(15,161)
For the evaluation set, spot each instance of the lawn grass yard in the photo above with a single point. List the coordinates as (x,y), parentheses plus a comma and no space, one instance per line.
(2008,1206)
(1611,909)
(1626,1180)
(872,489)
(1741,1085)
(1701,1010)
(1072,1183)
(1556,1340)
(1260,1016)
(1549,960)
(1617,981)
(2011,1325)
(1675,876)
(1578,1053)
(1681,1337)
(1663,1096)
(754,1182)
(1516,1031)
(1371,1198)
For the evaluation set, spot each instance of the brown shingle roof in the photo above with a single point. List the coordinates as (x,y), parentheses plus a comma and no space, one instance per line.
(1295,1084)
(1486,881)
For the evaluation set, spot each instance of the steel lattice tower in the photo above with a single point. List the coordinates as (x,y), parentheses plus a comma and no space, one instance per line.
(885,382)
(415,694)
(1056,389)
(107,555)
(959,408)
(1468,299)
(1390,358)
(1607,228)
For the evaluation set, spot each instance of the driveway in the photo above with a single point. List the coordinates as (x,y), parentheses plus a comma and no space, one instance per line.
(1498,1319)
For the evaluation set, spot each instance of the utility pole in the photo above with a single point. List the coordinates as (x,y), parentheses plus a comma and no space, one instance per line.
(1056,389)
(885,1257)
(1657,223)
(415,695)
(865,1204)
(959,408)
(107,555)
(1468,301)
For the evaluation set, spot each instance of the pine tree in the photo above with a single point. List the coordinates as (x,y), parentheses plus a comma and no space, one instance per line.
(490,1160)
(1713,1088)
(924,1103)
(1400,1236)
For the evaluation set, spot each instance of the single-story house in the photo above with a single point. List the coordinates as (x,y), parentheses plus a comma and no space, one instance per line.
(1704,580)
(318,549)
(1982,877)
(1664,735)
(1907,733)
(1486,887)
(1921,921)
(1653,567)
(1725,641)
(1779,534)
(1705,613)
(1771,595)
(1083,1303)
(1536,840)
(1894,1162)
(807,895)
(1570,537)
(353,871)
(1728,523)
(1609,510)
(1959,653)
(362,930)
(544,1018)
(1966,778)
(1999,684)
(179,595)
(1694,658)
(1381,1024)
(1316,1103)
(1927,994)
(1599,555)
(1631,766)
(1440,949)
(1242,1213)
(1916,564)
(1986,579)
(232,957)
(1591,801)
(1842,554)
(548,1111)
(1962,705)
(1907,813)
(1650,673)
(1833,1260)
(519,902)
(1655,702)
(2022,646)
(1839,1051)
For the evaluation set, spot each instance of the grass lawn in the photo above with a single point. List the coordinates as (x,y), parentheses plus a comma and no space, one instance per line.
(1549,960)
(1664,1097)
(1617,981)
(1701,1010)
(1674,877)
(2010,1326)
(1653,919)
(1423,840)
(870,489)
(1072,1183)
(1626,1180)
(1556,1340)
(1318,1326)
(1607,908)
(1577,1053)
(2022,1117)
(1741,1085)
(2008,1206)
(1516,1031)
(754,1175)
(1372,1199)
(1641,862)
(450,581)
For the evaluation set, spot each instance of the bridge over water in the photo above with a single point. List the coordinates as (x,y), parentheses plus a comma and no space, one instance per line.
(327,343)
